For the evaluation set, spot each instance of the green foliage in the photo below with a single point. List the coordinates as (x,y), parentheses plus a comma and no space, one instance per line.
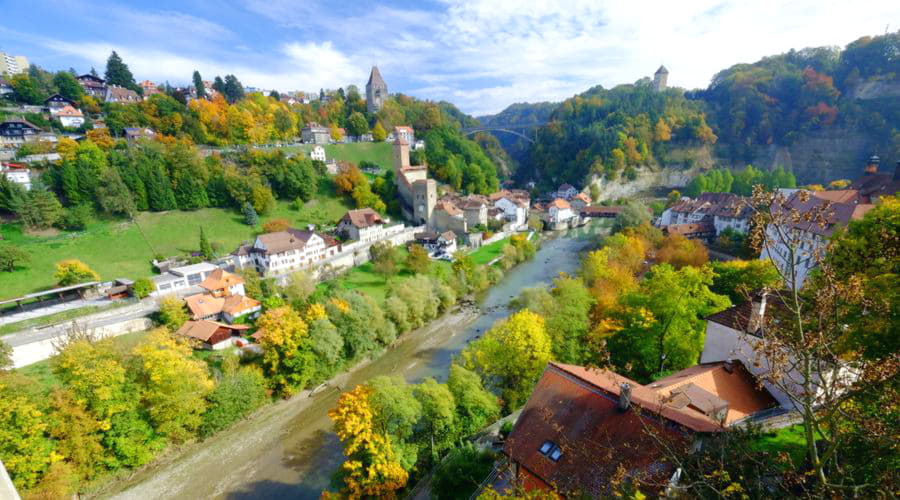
(633,214)
(68,86)
(460,474)
(740,182)
(738,279)
(25,449)
(417,260)
(459,162)
(205,248)
(40,209)
(142,288)
(250,216)
(117,73)
(77,217)
(235,396)
(476,407)
(361,322)
(12,256)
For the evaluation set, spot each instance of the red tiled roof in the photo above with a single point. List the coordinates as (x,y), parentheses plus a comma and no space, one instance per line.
(220,279)
(363,217)
(559,203)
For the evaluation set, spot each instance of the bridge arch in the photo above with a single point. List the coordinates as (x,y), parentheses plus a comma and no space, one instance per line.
(470,131)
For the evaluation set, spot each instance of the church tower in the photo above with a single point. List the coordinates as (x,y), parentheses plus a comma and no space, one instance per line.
(376,91)
(660,79)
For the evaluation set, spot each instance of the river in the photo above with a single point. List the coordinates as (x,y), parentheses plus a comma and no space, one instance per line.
(287,450)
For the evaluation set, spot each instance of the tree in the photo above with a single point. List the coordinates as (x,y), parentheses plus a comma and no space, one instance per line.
(73,271)
(335,133)
(287,360)
(300,286)
(459,475)
(113,195)
(356,124)
(395,414)
(142,288)
(235,396)
(438,427)
(233,90)
(172,312)
(679,251)
(205,248)
(738,279)
(117,73)
(175,384)
(633,214)
(417,260)
(67,85)
(12,195)
(12,256)
(24,446)
(78,434)
(511,355)
(384,258)
(673,197)
(40,210)
(276,225)
(476,407)
(198,85)
(371,468)
(26,90)
(250,216)
(378,132)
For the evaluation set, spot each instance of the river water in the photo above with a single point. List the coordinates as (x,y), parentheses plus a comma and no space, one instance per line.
(289,451)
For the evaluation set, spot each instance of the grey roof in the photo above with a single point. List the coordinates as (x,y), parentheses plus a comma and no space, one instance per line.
(375,78)
(662,70)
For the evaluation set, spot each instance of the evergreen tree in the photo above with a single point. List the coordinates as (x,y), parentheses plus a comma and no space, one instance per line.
(205,248)
(69,182)
(219,85)
(113,195)
(190,194)
(159,192)
(68,86)
(234,91)
(117,73)
(250,216)
(198,84)
(275,95)
(94,72)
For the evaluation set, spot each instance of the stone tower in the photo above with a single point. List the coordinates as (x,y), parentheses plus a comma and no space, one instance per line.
(376,91)
(660,78)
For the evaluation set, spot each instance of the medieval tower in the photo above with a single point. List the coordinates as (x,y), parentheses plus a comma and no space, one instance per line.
(418,193)
(376,91)
(660,79)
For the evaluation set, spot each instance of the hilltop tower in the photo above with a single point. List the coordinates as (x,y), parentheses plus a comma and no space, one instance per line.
(376,91)
(660,78)
(417,193)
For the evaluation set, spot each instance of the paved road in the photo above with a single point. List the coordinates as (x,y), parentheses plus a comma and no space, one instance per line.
(37,312)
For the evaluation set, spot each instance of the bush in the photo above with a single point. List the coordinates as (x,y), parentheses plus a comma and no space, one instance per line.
(234,398)
(461,473)
(77,217)
(142,288)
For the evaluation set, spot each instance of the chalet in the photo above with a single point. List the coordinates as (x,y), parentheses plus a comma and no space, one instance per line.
(58,101)
(285,251)
(93,86)
(566,192)
(221,283)
(437,244)
(581,426)
(313,133)
(17,131)
(121,95)
(149,88)
(18,173)
(213,335)
(209,307)
(364,225)
(68,116)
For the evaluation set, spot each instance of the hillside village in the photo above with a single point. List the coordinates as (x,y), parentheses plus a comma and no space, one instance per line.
(524,335)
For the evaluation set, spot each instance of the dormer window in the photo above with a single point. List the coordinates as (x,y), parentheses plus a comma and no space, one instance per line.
(550,450)
(546,447)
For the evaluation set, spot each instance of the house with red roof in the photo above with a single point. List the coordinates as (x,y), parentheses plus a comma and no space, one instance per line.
(582,428)
(363,224)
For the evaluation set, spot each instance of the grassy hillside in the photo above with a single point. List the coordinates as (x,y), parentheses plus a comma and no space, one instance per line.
(378,152)
(117,249)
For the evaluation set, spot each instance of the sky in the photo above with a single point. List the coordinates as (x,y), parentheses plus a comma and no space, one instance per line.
(481,55)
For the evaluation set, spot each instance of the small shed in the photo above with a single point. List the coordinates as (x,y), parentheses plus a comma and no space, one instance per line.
(214,335)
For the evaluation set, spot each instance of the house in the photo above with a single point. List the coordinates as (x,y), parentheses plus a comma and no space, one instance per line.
(475,210)
(17,131)
(285,251)
(581,427)
(720,211)
(210,307)
(313,133)
(213,335)
(135,133)
(514,204)
(737,333)
(221,283)
(149,88)
(58,101)
(406,133)
(418,145)
(566,192)
(318,154)
(93,86)
(807,240)
(121,95)
(364,225)
(182,279)
(580,201)
(18,173)
(559,212)
(448,217)
(692,230)
(873,185)
(68,116)
(437,244)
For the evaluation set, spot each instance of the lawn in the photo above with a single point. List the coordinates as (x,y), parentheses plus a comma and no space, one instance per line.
(788,439)
(489,252)
(378,152)
(366,280)
(122,249)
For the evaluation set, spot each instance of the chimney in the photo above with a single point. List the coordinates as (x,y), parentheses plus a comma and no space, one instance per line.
(872,167)
(624,397)
(757,312)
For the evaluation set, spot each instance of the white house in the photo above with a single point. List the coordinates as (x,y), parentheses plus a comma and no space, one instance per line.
(406,133)
(737,334)
(722,210)
(182,279)
(68,116)
(364,225)
(441,245)
(318,153)
(807,240)
(566,191)
(514,204)
(285,251)
(559,211)
(17,173)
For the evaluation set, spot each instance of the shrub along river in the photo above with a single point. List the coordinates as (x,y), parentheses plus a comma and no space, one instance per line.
(288,450)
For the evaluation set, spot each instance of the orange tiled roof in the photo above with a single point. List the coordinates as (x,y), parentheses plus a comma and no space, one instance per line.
(559,203)
(221,279)
(204,305)
(236,305)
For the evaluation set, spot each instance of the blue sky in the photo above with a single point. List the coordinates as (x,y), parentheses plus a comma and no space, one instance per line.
(481,55)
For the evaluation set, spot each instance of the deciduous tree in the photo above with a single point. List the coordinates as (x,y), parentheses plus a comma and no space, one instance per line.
(11,256)
(417,260)
(287,360)
(73,271)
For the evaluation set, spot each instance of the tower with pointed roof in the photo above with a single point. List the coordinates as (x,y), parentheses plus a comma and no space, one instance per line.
(660,79)
(376,91)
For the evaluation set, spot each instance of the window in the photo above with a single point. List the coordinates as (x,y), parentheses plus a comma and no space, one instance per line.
(546,447)
(555,454)
(550,450)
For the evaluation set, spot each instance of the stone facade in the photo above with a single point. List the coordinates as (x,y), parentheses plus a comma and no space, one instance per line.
(418,193)
(376,91)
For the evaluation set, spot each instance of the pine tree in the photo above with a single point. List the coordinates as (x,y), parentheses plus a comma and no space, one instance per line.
(250,216)
(117,73)
(94,72)
(234,91)
(205,248)
(198,84)
(219,85)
